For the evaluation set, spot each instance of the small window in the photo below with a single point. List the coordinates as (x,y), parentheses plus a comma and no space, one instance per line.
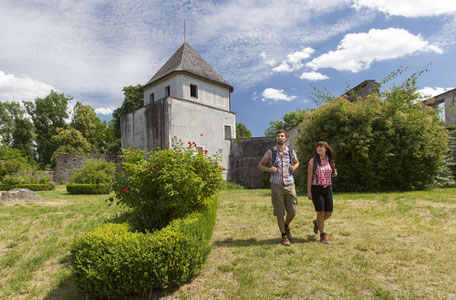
(151,98)
(167,91)
(193,90)
(227,132)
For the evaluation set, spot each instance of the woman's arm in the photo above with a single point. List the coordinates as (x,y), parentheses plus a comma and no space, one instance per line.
(309,181)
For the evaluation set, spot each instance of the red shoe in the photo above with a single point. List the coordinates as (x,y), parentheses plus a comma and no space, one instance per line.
(323,238)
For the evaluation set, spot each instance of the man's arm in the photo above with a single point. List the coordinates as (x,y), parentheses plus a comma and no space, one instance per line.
(262,166)
(295,165)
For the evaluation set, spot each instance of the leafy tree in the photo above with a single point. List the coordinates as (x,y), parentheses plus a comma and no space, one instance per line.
(289,120)
(134,99)
(16,130)
(386,142)
(68,141)
(8,113)
(242,131)
(92,128)
(48,114)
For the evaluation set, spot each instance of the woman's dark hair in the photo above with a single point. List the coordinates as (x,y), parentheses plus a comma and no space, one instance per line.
(329,153)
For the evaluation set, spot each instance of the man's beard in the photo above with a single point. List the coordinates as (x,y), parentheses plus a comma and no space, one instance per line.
(280,143)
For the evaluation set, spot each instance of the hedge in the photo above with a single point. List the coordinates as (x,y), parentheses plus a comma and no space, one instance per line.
(113,261)
(81,188)
(30,186)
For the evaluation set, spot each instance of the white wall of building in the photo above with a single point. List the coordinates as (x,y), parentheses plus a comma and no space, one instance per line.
(208,94)
(203,125)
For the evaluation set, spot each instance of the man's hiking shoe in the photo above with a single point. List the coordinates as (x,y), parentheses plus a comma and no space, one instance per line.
(285,241)
(287,232)
(315,226)
(323,238)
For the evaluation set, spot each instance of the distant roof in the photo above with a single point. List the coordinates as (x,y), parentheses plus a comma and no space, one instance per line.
(187,60)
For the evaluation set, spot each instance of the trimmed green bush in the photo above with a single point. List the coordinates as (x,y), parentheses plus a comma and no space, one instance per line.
(113,261)
(165,185)
(30,186)
(82,188)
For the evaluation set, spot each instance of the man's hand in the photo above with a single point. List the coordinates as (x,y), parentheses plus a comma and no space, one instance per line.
(292,168)
(273,169)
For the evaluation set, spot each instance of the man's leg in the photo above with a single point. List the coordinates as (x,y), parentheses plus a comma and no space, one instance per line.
(321,221)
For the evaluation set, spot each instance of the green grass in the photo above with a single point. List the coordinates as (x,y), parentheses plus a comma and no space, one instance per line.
(382,246)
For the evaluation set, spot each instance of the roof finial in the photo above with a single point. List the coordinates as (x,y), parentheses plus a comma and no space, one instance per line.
(184,32)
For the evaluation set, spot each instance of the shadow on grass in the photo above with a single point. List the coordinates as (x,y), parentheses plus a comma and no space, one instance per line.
(229,242)
(68,291)
(65,291)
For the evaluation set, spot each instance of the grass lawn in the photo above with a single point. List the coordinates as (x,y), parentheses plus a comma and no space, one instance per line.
(385,246)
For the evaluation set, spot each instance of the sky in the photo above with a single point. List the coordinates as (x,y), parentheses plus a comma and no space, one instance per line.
(274,53)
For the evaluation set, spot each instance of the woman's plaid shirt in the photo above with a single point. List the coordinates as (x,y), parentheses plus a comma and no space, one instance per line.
(324,172)
(282,163)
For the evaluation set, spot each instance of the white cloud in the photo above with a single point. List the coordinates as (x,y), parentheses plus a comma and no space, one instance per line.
(106,111)
(432,91)
(276,95)
(357,51)
(312,76)
(409,8)
(13,88)
(294,61)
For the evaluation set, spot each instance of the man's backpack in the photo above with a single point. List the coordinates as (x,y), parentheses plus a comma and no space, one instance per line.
(274,156)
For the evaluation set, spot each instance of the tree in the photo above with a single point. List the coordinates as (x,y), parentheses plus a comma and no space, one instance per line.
(289,120)
(386,142)
(16,130)
(92,128)
(134,99)
(68,141)
(48,114)
(242,131)
(11,161)
(8,112)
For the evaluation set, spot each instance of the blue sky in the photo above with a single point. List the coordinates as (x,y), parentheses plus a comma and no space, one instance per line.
(271,52)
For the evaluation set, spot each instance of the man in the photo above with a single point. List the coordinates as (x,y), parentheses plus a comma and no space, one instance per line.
(283,162)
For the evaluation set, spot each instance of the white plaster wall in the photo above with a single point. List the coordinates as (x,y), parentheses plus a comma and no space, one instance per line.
(133,131)
(202,125)
(208,94)
(159,89)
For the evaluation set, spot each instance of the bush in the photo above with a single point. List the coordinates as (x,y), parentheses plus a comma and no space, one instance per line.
(113,261)
(94,171)
(32,187)
(165,185)
(27,177)
(82,188)
(11,161)
(380,144)
(228,185)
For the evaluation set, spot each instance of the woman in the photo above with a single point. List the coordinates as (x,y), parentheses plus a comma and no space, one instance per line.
(319,179)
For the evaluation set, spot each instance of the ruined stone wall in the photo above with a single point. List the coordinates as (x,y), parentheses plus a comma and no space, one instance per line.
(67,164)
(244,158)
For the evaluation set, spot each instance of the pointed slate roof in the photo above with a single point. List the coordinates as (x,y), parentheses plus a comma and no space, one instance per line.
(187,60)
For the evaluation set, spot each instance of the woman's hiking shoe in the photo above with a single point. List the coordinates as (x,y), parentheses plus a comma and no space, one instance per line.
(323,238)
(287,232)
(315,226)
(285,240)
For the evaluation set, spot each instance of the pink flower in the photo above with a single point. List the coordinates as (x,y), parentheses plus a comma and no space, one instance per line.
(123,190)
(223,169)
(189,143)
(126,190)
(205,151)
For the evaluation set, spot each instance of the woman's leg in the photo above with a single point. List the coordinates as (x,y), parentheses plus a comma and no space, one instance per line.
(321,221)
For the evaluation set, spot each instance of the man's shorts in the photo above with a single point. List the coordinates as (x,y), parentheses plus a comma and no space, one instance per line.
(284,199)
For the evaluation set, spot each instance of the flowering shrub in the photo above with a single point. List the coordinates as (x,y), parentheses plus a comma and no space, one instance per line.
(164,185)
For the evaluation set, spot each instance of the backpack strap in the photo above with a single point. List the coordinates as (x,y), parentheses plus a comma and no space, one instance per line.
(274,156)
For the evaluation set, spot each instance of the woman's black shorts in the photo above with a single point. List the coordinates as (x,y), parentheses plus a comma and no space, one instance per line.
(322,198)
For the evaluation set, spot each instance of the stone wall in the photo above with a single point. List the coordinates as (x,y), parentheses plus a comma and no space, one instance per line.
(67,164)
(244,158)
